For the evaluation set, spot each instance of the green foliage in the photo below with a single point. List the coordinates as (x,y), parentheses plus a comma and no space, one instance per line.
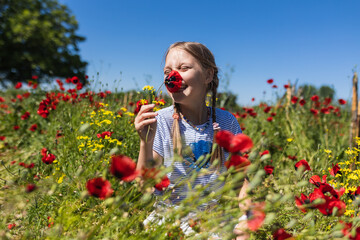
(61,208)
(38,38)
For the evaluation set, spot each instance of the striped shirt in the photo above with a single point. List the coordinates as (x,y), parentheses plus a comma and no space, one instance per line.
(196,145)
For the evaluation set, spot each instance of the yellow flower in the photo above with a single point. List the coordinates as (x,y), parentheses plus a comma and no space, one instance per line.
(349,212)
(105,121)
(130,114)
(149,88)
(327,151)
(290,140)
(123,109)
(60,180)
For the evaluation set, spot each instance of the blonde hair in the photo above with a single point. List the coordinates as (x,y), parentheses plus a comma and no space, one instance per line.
(205,57)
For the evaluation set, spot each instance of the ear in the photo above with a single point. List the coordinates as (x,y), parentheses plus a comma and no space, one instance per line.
(209,75)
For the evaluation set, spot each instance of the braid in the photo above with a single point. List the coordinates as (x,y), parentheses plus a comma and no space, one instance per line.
(176,136)
(218,152)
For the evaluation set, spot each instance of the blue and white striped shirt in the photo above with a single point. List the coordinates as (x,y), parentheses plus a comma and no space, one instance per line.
(200,145)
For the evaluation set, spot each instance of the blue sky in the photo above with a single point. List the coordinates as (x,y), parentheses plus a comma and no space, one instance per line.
(311,42)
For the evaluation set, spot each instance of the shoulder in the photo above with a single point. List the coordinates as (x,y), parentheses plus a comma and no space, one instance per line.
(166,112)
(227,121)
(224,115)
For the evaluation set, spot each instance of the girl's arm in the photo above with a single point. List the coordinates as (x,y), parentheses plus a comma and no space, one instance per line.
(145,125)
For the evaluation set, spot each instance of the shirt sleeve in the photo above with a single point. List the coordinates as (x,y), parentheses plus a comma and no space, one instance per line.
(235,127)
(159,136)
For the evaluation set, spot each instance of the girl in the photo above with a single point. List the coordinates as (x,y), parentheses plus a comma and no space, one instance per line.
(186,128)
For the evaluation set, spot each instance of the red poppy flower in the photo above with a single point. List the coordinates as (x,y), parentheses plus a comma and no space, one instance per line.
(26,95)
(30,187)
(18,85)
(273,114)
(317,181)
(139,104)
(237,162)
(315,98)
(342,101)
(233,143)
(48,158)
(2,99)
(294,99)
(264,153)
(173,81)
(286,86)
(303,163)
(314,111)
(33,127)
(335,169)
(281,234)
(253,99)
(34,77)
(270,81)
(74,80)
(11,226)
(269,119)
(301,201)
(267,109)
(327,101)
(79,86)
(2,138)
(274,86)
(292,157)
(165,182)
(325,110)
(124,168)
(269,169)
(35,86)
(253,114)
(25,116)
(256,216)
(302,102)
(102,135)
(99,187)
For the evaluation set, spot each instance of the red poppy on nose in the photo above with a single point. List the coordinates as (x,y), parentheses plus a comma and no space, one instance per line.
(303,163)
(173,81)
(342,101)
(99,188)
(124,168)
(270,81)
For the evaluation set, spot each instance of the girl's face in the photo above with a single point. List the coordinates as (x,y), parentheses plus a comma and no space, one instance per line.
(195,78)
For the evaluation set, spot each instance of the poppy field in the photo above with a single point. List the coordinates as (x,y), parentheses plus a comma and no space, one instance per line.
(68,168)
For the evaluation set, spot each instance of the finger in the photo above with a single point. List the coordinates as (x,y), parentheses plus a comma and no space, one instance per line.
(146,108)
(144,123)
(147,115)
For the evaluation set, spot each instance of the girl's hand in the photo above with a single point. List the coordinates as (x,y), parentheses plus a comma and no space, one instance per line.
(145,123)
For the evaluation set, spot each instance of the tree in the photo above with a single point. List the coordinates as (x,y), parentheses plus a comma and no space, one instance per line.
(307,90)
(37,37)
